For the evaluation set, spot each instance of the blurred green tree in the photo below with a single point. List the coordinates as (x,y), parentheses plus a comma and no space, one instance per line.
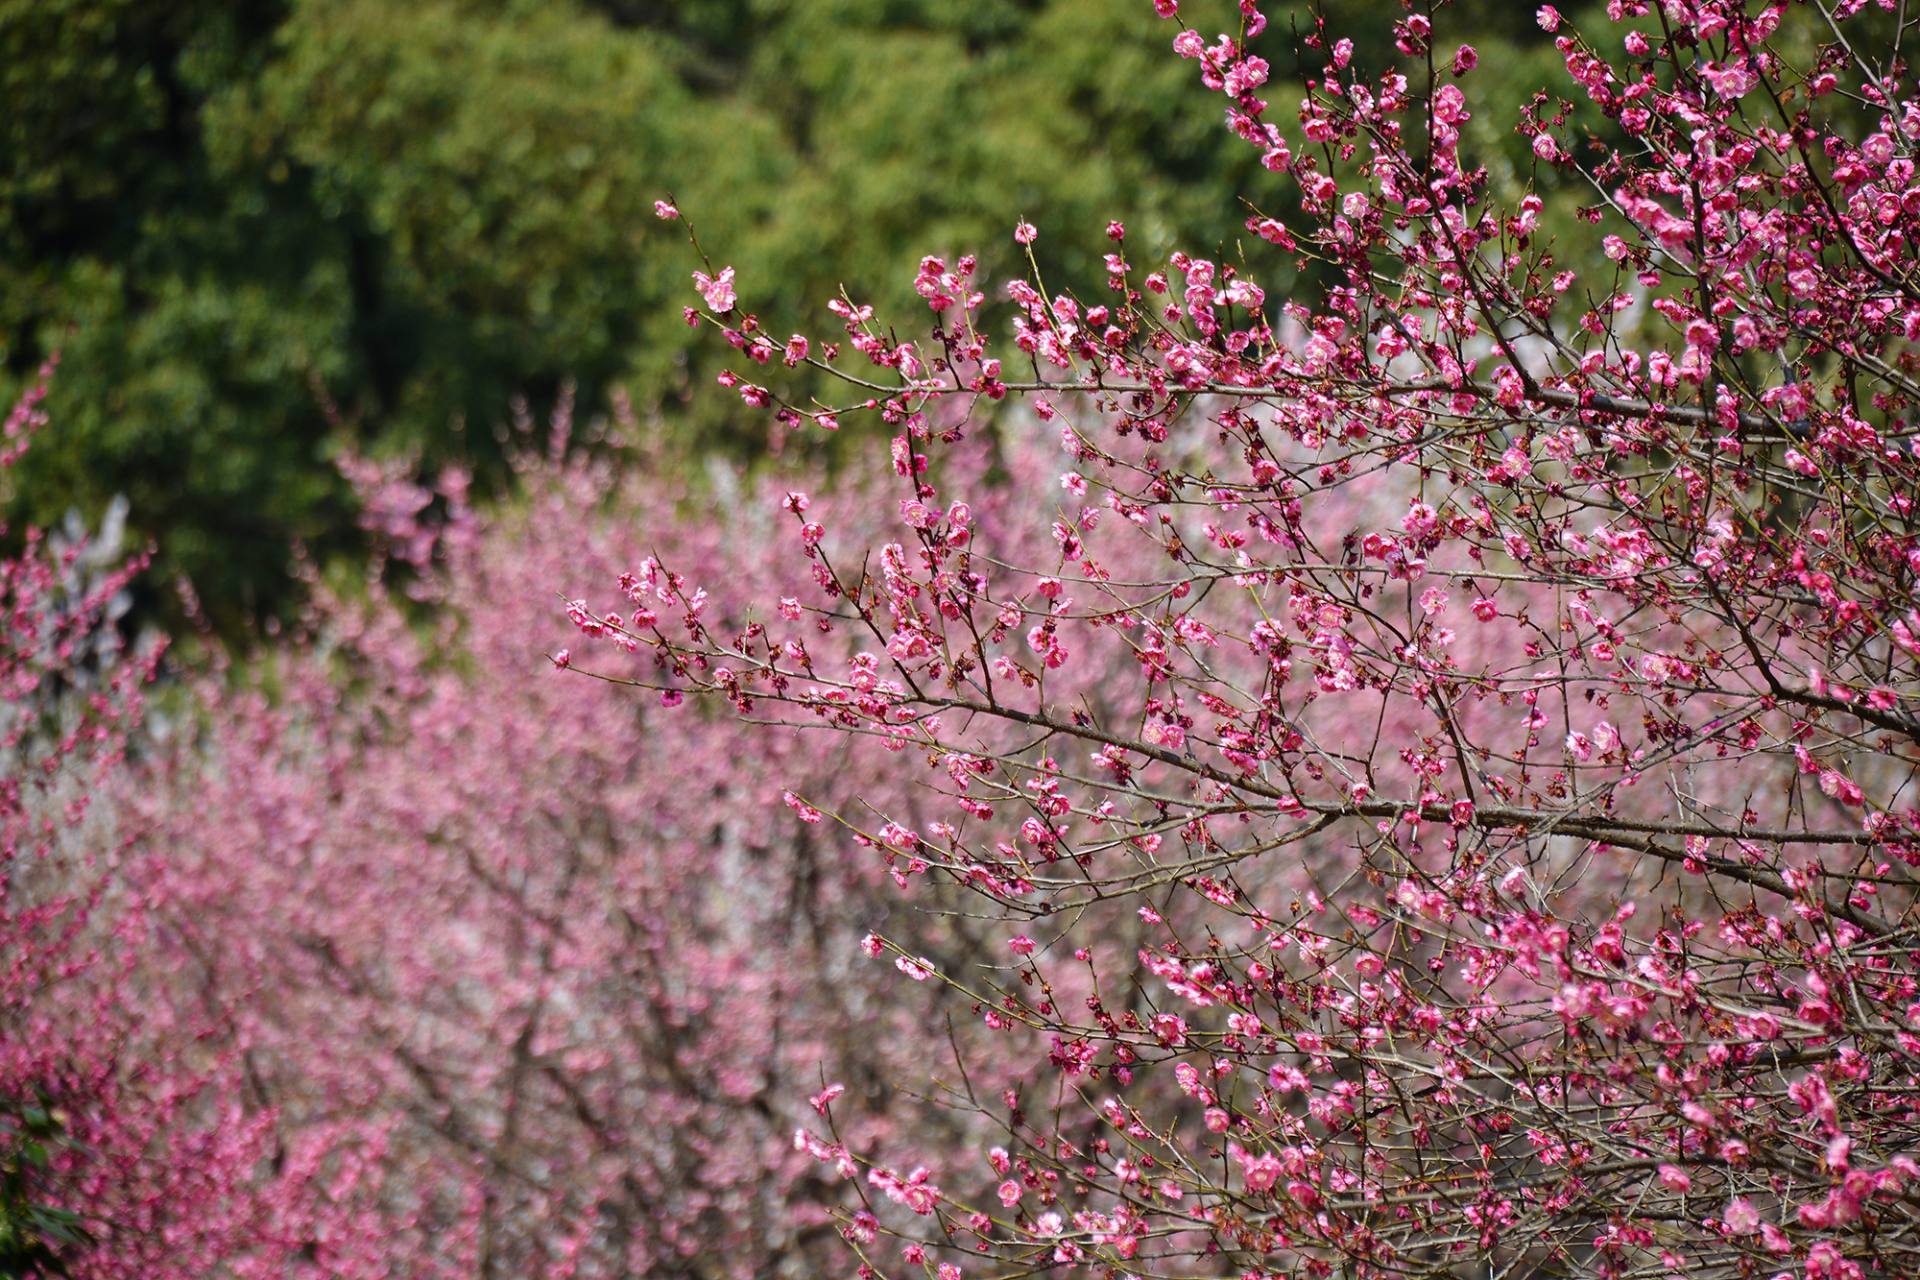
(262,234)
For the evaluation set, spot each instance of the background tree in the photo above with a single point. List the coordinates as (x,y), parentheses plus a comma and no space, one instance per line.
(555,977)
(124,1150)
(262,238)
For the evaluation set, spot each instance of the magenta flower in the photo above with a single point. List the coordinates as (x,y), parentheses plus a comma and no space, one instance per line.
(717,290)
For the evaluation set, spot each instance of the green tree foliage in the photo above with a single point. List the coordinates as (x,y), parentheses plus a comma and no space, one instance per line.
(263,233)
(35,1236)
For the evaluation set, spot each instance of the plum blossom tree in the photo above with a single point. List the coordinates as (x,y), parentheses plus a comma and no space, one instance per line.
(123,1151)
(537,984)
(1440,762)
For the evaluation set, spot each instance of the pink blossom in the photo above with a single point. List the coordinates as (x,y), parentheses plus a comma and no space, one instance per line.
(1260,1171)
(918,969)
(717,290)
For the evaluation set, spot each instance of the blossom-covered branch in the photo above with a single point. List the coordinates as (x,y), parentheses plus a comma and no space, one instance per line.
(1444,755)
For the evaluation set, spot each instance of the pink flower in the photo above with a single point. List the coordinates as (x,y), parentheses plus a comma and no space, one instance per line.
(1741,1218)
(1025,233)
(808,813)
(664,210)
(1730,81)
(1548,17)
(1261,1172)
(1545,147)
(717,290)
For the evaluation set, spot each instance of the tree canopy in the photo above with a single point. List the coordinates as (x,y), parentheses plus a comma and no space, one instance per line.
(260,235)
